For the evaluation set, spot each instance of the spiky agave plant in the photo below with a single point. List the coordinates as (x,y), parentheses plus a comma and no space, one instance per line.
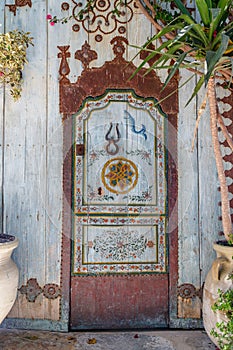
(205,46)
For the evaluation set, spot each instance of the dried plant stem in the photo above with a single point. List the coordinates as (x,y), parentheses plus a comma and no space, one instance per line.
(200,112)
(225,131)
(226,215)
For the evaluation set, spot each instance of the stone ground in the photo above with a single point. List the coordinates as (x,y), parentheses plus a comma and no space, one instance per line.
(146,340)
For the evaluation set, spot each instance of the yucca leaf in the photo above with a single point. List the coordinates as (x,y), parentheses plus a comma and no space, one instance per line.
(151,55)
(201,34)
(196,89)
(175,67)
(168,29)
(187,19)
(229,31)
(182,33)
(222,4)
(213,57)
(209,4)
(182,65)
(182,8)
(196,27)
(204,11)
(174,91)
(219,20)
(216,42)
(166,56)
(144,46)
(148,58)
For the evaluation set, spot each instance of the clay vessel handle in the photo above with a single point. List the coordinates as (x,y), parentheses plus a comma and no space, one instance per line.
(217,267)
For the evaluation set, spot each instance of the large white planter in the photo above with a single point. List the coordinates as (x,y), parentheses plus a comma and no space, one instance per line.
(217,278)
(9,274)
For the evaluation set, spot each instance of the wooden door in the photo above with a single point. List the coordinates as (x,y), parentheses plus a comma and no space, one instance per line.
(119,276)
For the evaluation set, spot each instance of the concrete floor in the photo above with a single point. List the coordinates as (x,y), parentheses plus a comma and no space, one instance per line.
(146,340)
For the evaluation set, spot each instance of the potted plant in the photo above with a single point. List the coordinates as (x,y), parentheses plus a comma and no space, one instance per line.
(223,330)
(9,274)
(207,45)
(13,49)
(206,48)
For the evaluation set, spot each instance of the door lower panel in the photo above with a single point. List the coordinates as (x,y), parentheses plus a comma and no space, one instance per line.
(116,302)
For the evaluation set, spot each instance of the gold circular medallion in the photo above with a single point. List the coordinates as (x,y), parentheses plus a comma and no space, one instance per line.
(119,175)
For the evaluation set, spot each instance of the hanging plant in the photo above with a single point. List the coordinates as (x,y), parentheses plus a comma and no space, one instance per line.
(13,49)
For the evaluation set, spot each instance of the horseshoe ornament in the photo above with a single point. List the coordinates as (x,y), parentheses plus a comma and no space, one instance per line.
(112,147)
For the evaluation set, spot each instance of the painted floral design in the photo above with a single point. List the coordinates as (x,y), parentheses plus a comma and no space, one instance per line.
(97,195)
(121,245)
(146,250)
(145,196)
(122,175)
(145,155)
(95,155)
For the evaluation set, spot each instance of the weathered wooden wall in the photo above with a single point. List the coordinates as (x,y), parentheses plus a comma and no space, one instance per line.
(31,170)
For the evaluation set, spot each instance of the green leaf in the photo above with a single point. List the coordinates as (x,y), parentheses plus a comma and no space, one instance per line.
(175,68)
(222,4)
(213,57)
(168,29)
(182,33)
(166,56)
(204,11)
(229,32)
(149,57)
(196,89)
(182,8)
(197,28)
(219,21)
(201,33)
(209,4)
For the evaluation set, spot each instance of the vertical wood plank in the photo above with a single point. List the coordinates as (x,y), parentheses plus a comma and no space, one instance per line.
(188,188)
(25,136)
(59,35)
(2,114)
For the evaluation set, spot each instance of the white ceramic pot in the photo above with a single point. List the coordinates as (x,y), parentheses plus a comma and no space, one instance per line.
(9,274)
(217,278)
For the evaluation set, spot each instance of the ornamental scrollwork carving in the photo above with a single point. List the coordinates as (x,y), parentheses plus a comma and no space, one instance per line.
(189,291)
(32,290)
(18,3)
(101,18)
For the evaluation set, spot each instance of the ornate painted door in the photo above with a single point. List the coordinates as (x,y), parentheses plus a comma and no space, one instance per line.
(119,257)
